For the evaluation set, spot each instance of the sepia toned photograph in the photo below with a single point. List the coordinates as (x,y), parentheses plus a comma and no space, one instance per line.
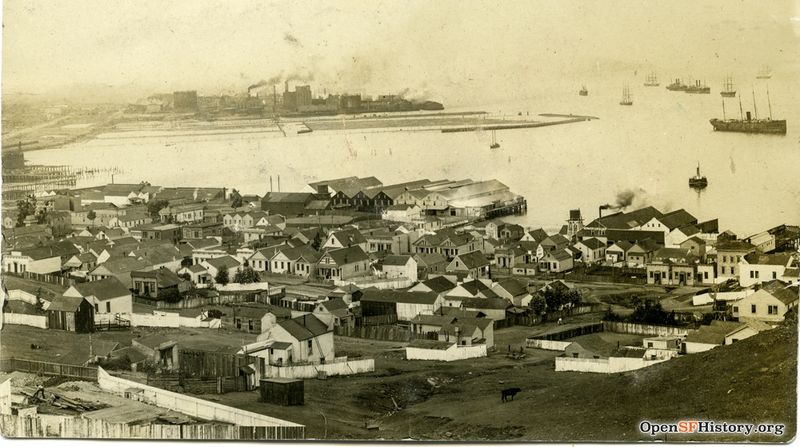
(488,221)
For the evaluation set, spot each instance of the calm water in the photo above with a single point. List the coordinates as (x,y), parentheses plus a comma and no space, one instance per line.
(651,148)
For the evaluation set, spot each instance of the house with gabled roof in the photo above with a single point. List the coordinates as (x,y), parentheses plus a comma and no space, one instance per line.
(158,282)
(69,313)
(348,237)
(618,251)
(552,244)
(399,267)
(197,273)
(300,261)
(673,266)
(463,330)
(592,250)
(641,253)
(119,267)
(310,339)
(107,296)
(405,305)
(729,254)
(680,234)
(557,261)
(514,290)
(494,308)
(755,268)
(335,313)
(436,284)
(769,303)
(214,265)
(471,265)
(343,264)
(41,259)
(430,264)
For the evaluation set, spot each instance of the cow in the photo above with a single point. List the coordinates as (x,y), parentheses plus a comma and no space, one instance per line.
(509,392)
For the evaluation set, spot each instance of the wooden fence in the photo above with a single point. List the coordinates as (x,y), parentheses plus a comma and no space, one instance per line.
(196,385)
(386,333)
(49,368)
(570,331)
(69,427)
(48,278)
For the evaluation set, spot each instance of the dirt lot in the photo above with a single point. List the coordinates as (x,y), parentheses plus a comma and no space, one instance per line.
(751,381)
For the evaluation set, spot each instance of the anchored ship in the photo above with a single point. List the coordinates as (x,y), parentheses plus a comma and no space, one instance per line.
(583,91)
(728,89)
(626,97)
(749,124)
(764,73)
(494,144)
(651,80)
(698,88)
(677,86)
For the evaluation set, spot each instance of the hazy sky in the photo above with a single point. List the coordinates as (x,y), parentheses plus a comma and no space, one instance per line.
(456,51)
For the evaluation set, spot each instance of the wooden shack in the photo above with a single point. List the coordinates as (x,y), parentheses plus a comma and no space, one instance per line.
(283,391)
(69,313)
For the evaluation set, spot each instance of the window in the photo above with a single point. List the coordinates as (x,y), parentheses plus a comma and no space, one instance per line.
(724,259)
(723,270)
(705,275)
(310,347)
(108,307)
(96,307)
(757,272)
(249,325)
(752,308)
(774,275)
(651,273)
(735,309)
(238,323)
(752,274)
(575,354)
(649,344)
(772,310)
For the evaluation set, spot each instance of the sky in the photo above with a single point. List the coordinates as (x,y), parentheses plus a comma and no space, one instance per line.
(459,52)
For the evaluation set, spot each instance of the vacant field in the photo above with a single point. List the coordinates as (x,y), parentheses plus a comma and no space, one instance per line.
(751,381)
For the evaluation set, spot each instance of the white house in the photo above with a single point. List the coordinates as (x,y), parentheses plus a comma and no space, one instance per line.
(108,296)
(770,303)
(214,265)
(755,268)
(400,266)
(592,250)
(311,340)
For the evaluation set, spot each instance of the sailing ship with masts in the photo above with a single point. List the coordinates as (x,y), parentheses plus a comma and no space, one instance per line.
(728,89)
(764,73)
(748,123)
(651,80)
(494,144)
(626,97)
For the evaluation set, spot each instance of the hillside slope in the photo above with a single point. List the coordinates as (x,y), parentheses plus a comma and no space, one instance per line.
(752,381)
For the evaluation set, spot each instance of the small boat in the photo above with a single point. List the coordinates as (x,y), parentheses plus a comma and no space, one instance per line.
(626,97)
(764,73)
(698,181)
(306,130)
(728,89)
(583,91)
(494,144)
(651,80)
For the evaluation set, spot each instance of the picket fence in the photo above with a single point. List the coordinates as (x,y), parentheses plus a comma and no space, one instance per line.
(340,368)
(39,321)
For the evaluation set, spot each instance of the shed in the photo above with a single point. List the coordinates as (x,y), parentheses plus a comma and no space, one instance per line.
(69,313)
(283,391)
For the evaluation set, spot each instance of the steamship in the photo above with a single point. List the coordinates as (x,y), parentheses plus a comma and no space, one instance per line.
(749,124)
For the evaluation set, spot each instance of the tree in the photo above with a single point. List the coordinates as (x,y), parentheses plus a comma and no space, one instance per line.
(25,208)
(236,199)
(91,215)
(246,275)
(317,242)
(538,304)
(222,277)
(154,206)
(186,262)
(185,276)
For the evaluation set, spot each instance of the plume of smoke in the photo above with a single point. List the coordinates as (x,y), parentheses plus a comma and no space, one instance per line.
(625,198)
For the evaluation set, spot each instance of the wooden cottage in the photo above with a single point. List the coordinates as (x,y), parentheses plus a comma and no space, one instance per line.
(69,313)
